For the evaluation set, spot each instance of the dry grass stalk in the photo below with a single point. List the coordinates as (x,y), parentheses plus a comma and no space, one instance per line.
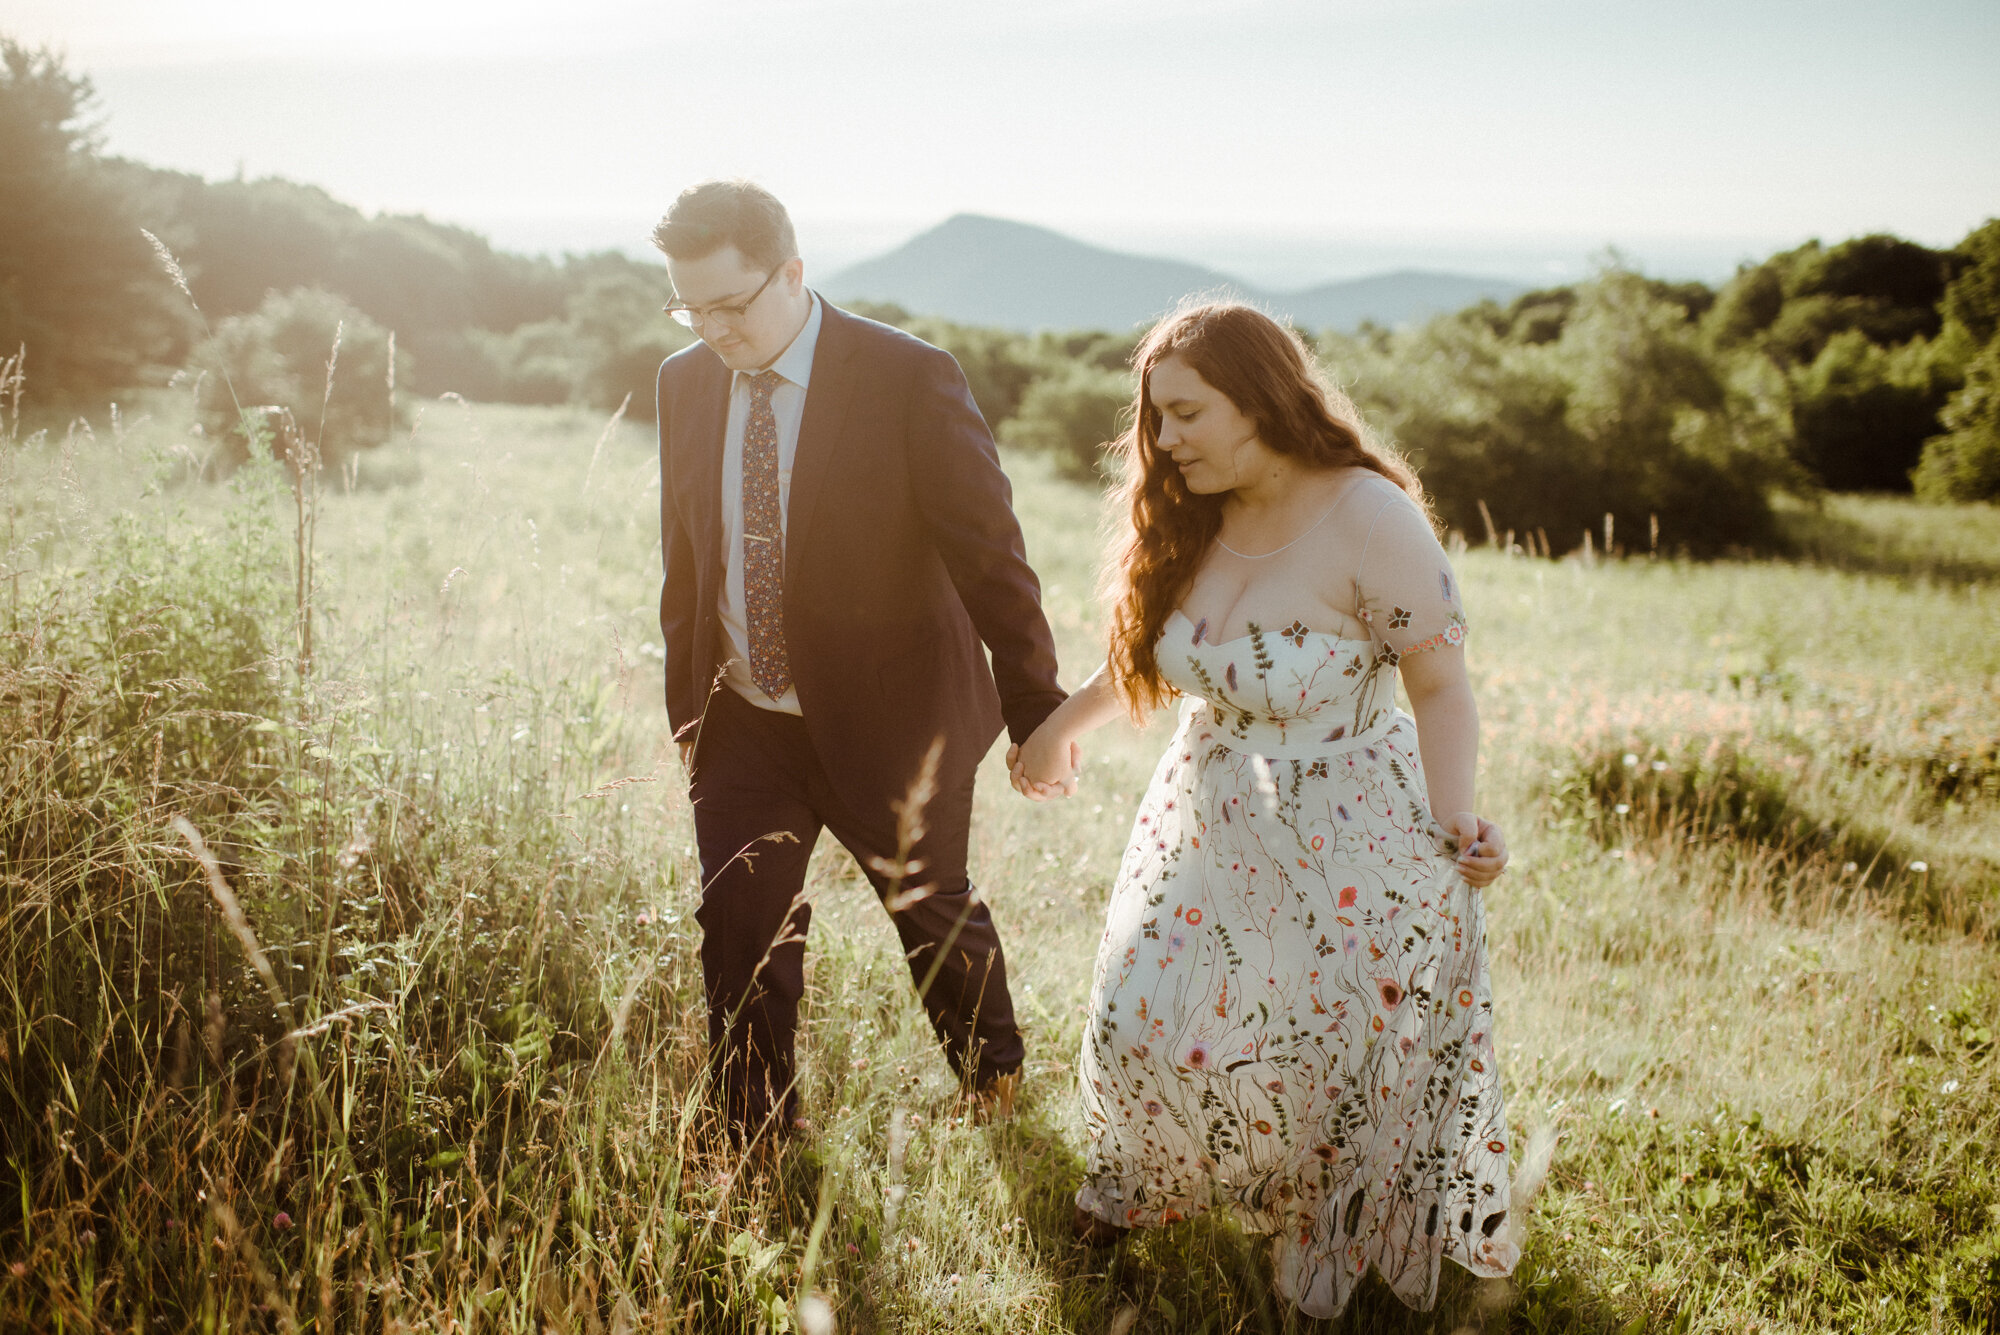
(603,436)
(232,913)
(910,832)
(171,265)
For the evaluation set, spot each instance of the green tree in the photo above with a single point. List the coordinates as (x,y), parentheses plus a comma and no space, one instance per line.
(1972,302)
(1072,413)
(278,355)
(79,286)
(1864,411)
(1626,412)
(1794,303)
(1963,463)
(621,336)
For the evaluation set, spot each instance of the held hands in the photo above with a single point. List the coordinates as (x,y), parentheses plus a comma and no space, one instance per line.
(1044,766)
(1482,848)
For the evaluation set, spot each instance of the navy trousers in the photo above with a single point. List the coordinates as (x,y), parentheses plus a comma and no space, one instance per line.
(756,775)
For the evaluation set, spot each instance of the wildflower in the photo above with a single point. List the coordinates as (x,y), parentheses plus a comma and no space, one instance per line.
(281,1221)
(1197,1056)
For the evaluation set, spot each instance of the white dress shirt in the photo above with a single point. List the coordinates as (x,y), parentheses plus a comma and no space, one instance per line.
(788,406)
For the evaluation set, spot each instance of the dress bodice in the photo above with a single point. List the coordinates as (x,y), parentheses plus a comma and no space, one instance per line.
(1288,693)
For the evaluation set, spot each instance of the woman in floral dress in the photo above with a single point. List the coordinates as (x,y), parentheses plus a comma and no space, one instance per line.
(1291,1013)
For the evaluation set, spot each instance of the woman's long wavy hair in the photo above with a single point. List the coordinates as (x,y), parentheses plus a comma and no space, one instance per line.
(1266,371)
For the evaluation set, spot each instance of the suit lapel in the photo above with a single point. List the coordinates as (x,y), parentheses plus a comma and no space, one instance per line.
(819,430)
(701,462)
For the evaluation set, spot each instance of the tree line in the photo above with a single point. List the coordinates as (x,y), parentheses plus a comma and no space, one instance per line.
(270,267)
(1870,364)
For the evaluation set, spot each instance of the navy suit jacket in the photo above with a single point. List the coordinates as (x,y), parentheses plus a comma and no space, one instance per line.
(902,558)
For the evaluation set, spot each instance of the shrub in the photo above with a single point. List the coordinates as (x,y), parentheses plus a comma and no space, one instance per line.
(621,337)
(1072,413)
(1863,412)
(1963,464)
(280,355)
(1624,412)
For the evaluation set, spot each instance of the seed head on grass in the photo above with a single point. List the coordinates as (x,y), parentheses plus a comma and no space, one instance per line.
(910,832)
(171,265)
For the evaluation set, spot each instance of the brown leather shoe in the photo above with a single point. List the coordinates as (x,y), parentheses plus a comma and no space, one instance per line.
(1090,1231)
(993,1099)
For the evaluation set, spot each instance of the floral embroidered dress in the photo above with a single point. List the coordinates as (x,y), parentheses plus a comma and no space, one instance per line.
(1291,1013)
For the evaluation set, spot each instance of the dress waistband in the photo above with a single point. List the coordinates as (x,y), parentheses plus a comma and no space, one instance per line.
(1304,739)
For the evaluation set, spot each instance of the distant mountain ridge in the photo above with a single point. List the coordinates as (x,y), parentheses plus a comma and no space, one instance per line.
(993,271)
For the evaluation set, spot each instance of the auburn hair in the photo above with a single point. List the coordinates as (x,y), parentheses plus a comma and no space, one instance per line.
(1266,371)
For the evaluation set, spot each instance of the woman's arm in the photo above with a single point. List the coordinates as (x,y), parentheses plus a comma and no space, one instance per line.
(1447,726)
(1405,590)
(1448,740)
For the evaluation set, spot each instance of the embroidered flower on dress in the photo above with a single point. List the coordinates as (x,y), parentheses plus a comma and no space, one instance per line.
(1296,633)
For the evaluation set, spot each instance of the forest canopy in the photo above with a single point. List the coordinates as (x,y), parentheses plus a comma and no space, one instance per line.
(1866,364)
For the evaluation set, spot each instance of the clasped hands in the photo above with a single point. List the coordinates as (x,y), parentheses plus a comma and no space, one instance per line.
(1046,766)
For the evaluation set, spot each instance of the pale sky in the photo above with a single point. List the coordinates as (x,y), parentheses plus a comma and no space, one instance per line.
(1264,131)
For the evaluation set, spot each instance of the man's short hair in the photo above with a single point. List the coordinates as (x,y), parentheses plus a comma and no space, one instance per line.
(715,214)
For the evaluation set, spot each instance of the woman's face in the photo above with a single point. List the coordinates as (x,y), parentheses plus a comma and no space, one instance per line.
(1214,445)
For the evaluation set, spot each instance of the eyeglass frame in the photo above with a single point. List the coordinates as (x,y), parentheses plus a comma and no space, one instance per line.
(693,317)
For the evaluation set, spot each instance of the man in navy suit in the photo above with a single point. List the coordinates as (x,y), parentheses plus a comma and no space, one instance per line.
(841,557)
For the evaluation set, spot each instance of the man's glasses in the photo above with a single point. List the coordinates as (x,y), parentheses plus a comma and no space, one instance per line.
(695,316)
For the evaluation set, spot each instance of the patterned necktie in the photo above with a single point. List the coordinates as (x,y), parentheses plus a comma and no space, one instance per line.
(764,542)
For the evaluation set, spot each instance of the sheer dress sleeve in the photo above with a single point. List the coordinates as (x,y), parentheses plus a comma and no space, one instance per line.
(1404,587)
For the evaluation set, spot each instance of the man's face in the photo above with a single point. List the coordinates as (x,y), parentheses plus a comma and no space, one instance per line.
(753,339)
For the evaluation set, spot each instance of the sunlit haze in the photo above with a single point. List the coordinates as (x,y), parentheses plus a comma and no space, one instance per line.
(1310,140)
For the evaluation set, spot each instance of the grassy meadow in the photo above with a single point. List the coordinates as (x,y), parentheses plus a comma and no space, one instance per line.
(417,1048)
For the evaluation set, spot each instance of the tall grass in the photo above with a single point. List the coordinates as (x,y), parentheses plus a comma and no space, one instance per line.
(465,1089)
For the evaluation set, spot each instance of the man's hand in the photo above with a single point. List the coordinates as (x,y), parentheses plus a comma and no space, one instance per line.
(1054,783)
